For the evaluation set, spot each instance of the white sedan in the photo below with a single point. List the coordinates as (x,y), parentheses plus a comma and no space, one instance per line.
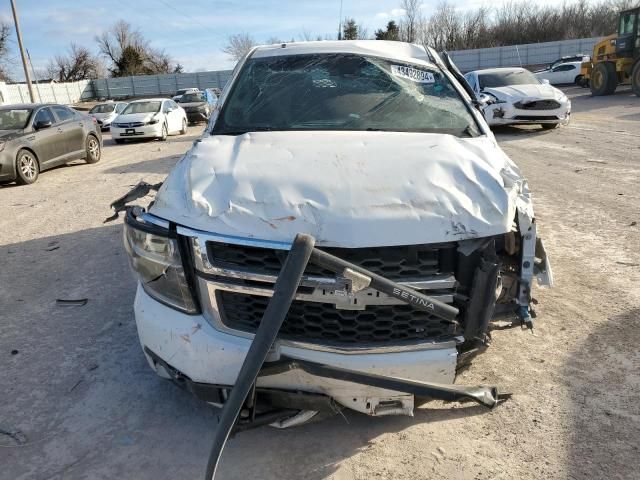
(152,118)
(514,96)
(563,73)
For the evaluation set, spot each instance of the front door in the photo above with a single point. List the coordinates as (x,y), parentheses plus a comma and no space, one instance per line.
(44,141)
(72,130)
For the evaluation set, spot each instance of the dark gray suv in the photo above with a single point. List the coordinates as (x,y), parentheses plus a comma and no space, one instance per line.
(36,137)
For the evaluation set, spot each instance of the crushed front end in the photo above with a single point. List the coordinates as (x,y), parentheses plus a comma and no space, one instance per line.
(202,296)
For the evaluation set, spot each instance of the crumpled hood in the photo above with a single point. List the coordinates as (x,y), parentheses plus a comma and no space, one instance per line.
(514,93)
(349,189)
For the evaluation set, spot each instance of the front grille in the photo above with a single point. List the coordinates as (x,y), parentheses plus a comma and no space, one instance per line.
(129,125)
(534,118)
(322,323)
(537,105)
(395,263)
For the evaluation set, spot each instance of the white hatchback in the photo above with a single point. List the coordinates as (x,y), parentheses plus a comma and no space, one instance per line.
(152,118)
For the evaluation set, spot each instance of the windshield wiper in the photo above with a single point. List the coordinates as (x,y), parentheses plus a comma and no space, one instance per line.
(244,130)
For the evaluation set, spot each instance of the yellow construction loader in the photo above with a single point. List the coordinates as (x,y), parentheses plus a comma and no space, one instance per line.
(616,58)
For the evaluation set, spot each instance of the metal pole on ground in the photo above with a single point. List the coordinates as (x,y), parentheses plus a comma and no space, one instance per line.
(27,77)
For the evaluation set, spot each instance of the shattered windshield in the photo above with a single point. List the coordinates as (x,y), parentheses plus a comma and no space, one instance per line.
(103,108)
(504,79)
(14,118)
(343,92)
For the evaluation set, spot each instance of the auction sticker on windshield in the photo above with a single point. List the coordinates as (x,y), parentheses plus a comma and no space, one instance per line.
(413,74)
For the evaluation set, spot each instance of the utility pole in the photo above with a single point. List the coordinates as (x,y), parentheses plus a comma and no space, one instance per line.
(27,77)
(35,77)
(339,22)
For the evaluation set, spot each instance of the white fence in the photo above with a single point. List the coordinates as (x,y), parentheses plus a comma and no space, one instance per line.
(150,85)
(65,93)
(516,55)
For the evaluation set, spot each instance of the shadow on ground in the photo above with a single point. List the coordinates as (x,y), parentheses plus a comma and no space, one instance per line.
(603,379)
(76,384)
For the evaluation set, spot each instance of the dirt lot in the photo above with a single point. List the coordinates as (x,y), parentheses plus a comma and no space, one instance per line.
(88,406)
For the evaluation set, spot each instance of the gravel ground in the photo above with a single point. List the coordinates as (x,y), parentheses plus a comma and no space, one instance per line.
(76,385)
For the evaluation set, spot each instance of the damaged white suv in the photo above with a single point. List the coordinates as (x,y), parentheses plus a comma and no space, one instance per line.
(376,150)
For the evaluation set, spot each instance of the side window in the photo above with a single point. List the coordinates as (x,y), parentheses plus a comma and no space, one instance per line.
(120,107)
(627,23)
(63,113)
(43,115)
(165,107)
(173,104)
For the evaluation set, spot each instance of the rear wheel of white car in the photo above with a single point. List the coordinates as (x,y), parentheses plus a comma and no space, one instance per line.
(165,133)
(94,151)
(27,168)
(550,126)
(184,126)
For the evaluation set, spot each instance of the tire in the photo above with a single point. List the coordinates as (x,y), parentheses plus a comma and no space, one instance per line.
(578,80)
(165,133)
(119,141)
(184,127)
(94,151)
(604,79)
(27,167)
(635,78)
(550,126)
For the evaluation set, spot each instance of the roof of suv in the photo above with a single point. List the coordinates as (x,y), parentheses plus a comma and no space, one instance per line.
(376,48)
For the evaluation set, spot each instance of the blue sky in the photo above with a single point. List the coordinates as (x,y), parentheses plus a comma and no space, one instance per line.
(193,32)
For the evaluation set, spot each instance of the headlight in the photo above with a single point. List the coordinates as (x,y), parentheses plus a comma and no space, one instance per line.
(155,257)
(153,121)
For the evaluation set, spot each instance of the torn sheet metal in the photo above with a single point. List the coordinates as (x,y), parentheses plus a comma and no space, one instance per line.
(349,189)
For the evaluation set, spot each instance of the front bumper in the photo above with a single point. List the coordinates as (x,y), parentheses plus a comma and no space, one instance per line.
(7,166)
(191,345)
(197,116)
(507,114)
(145,131)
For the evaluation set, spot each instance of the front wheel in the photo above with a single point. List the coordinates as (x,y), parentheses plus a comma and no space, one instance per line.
(550,126)
(27,168)
(604,79)
(94,151)
(183,130)
(165,133)
(578,80)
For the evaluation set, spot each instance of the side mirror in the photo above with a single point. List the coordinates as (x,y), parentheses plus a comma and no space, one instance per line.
(544,81)
(42,124)
(483,99)
(170,109)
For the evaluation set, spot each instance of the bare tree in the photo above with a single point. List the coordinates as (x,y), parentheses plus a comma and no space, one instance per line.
(130,53)
(511,24)
(78,64)
(239,45)
(5,36)
(411,20)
